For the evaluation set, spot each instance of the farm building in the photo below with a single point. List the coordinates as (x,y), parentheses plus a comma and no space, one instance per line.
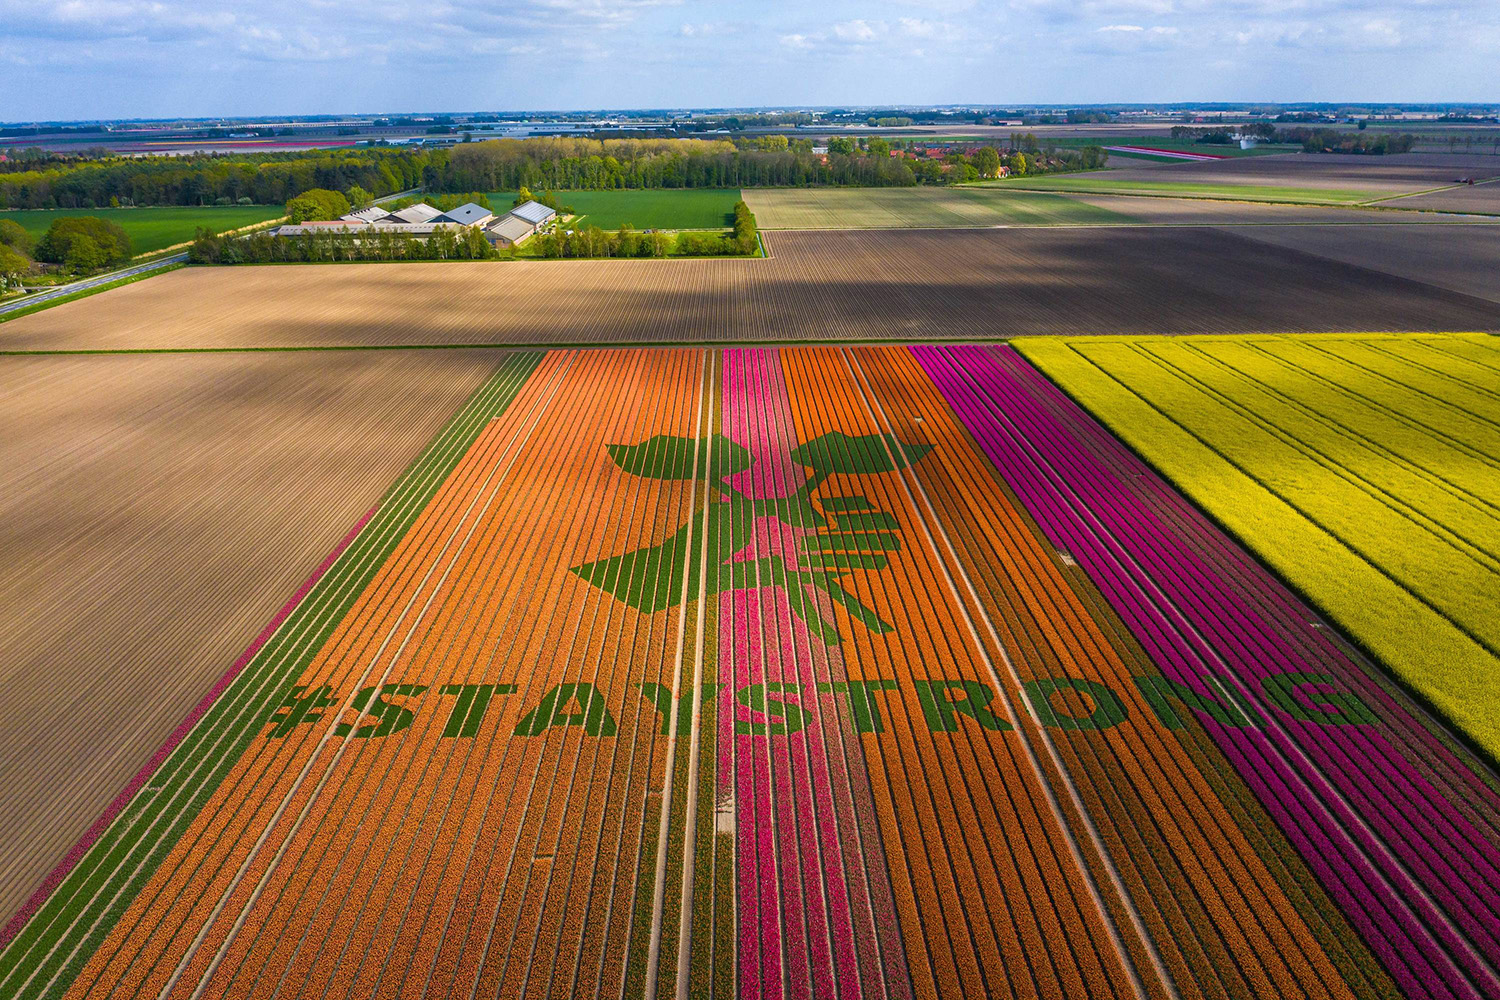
(420,212)
(371,214)
(422,220)
(467,215)
(510,231)
(523,222)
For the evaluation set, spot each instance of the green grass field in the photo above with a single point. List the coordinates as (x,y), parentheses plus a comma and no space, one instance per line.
(918,208)
(694,208)
(1364,468)
(153,229)
(1095,182)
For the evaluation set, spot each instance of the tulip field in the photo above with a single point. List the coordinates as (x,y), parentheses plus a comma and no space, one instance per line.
(859,671)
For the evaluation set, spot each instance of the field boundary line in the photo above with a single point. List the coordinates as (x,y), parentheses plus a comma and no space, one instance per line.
(117,805)
(929,521)
(1435,190)
(658,896)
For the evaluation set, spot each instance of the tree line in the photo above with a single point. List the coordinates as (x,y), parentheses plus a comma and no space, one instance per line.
(261,179)
(1312,140)
(567,163)
(542,163)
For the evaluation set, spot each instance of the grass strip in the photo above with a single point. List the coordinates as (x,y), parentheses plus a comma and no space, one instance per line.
(44,958)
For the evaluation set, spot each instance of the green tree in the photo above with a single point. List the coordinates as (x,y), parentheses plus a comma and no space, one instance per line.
(359,197)
(13,267)
(318,204)
(13,235)
(879,147)
(83,255)
(986,161)
(110,242)
(842,146)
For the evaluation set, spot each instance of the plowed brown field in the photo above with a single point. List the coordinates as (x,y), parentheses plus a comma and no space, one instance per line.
(817,286)
(154,513)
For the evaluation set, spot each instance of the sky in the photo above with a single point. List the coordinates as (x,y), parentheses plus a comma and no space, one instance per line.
(78,59)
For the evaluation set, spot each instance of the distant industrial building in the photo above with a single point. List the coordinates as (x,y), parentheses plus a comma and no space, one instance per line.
(422,220)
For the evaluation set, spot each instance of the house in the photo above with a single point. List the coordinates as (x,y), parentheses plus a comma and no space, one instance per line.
(510,231)
(467,215)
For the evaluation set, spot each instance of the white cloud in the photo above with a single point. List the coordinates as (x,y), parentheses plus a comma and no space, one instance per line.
(858,30)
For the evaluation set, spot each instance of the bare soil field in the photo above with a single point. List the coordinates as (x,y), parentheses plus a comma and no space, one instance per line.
(816,286)
(1481,199)
(920,208)
(1290,179)
(1150,211)
(155,512)
(1459,258)
(1375,175)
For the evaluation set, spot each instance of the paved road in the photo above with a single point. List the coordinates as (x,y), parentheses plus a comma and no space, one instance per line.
(103,279)
(87,283)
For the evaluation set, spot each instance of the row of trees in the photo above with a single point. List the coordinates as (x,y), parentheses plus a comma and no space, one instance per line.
(542,163)
(264,179)
(741,241)
(1312,140)
(312,248)
(766,161)
(470,244)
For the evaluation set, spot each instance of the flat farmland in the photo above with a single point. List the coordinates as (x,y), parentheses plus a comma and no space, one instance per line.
(153,229)
(1460,258)
(827,671)
(1480,199)
(816,286)
(156,512)
(1300,177)
(919,208)
(1364,469)
(1208,212)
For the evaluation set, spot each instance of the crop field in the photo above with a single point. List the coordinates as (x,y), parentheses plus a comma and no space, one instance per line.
(1149,210)
(919,208)
(1373,464)
(687,208)
(1149,181)
(157,511)
(866,671)
(1478,199)
(1461,258)
(815,286)
(153,229)
(1313,179)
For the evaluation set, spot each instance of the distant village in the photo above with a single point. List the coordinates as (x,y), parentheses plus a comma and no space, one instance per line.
(422,220)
